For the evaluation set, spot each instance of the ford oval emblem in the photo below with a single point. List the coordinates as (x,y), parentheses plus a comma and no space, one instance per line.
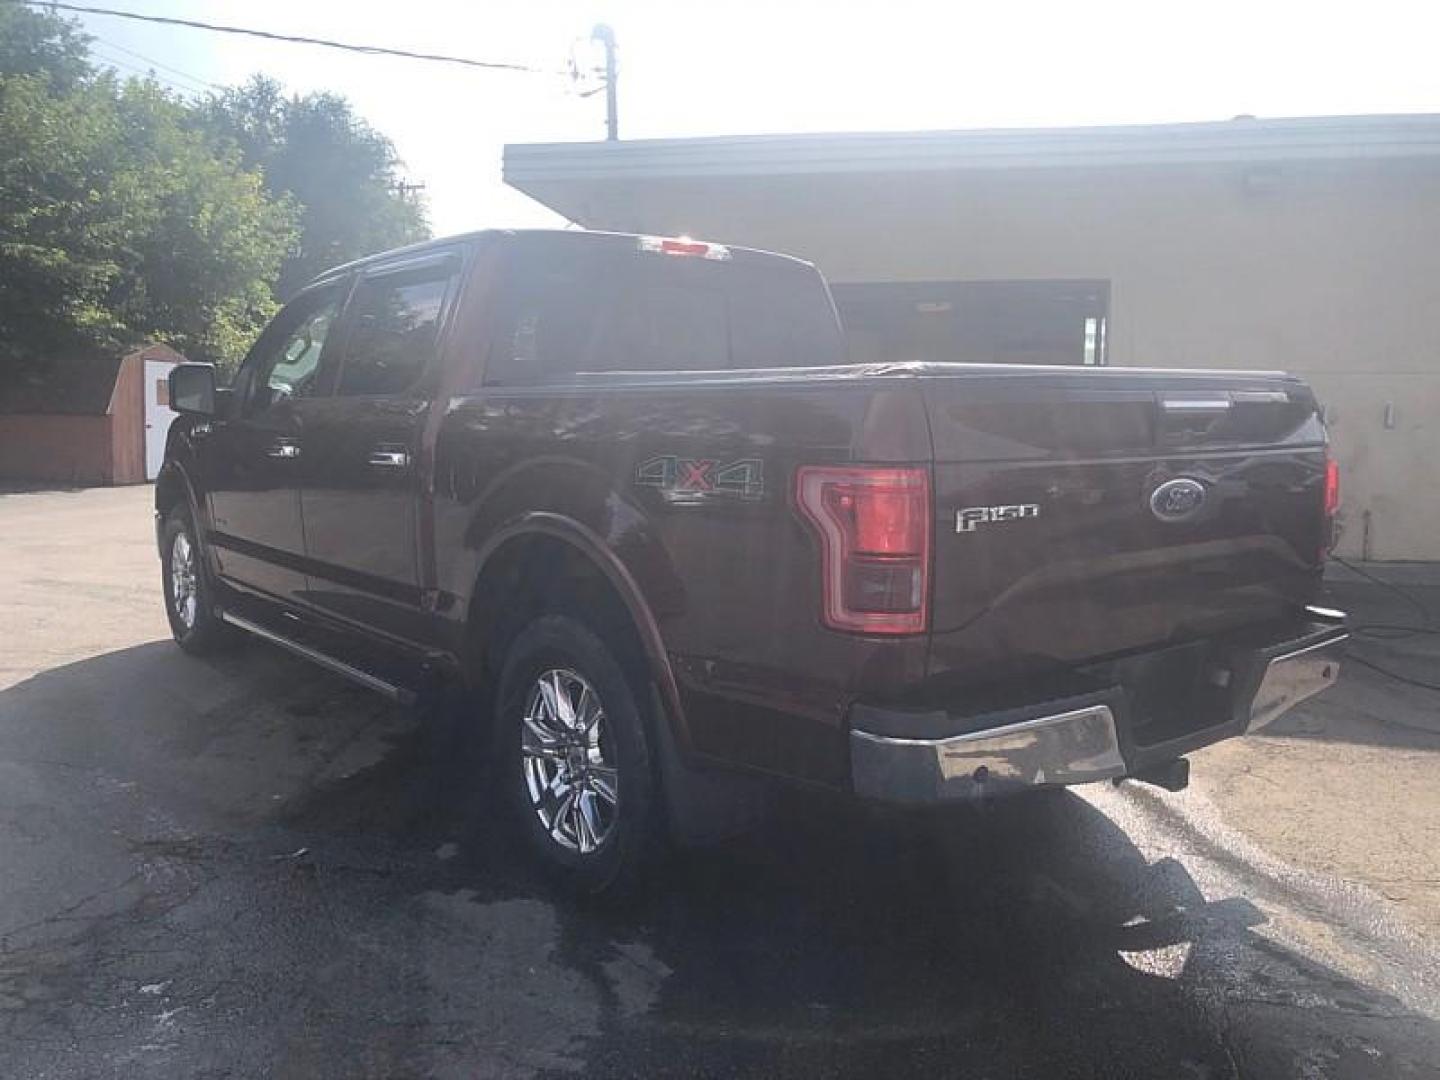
(1177,500)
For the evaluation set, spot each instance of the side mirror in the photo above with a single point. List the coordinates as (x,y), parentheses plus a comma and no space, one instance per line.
(192,389)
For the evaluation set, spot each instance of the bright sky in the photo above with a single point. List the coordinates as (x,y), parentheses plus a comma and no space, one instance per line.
(742,67)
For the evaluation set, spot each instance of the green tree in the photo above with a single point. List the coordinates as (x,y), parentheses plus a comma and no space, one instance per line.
(63,221)
(35,42)
(209,240)
(342,173)
(120,219)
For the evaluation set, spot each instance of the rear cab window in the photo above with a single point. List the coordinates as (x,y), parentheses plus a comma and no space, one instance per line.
(570,306)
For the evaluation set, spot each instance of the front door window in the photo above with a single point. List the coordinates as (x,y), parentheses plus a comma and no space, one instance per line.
(289,369)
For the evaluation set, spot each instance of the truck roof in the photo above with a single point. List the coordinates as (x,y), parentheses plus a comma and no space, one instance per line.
(522,235)
(858,375)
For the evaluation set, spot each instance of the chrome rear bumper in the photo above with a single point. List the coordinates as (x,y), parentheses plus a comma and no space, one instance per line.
(1068,748)
(1076,741)
(1294,676)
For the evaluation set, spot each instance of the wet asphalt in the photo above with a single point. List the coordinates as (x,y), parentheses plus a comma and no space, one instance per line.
(243,867)
(287,877)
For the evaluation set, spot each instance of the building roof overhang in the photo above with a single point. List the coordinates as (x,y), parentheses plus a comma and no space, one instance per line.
(549,171)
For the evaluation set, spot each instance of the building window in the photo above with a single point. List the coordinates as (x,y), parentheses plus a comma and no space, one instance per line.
(1094,340)
(978,322)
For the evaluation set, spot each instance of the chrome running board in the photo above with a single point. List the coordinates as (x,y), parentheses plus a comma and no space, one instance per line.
(339,667)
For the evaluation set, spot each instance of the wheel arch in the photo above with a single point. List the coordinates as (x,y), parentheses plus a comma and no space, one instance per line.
(541,558)
(172,486)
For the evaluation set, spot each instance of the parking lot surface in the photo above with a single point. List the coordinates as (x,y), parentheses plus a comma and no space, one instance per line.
(245,867)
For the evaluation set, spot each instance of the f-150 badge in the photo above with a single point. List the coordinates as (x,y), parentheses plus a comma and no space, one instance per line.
(683,479)
(968,519)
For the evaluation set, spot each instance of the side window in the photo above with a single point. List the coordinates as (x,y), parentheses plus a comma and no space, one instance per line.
(394,328)
(286,366)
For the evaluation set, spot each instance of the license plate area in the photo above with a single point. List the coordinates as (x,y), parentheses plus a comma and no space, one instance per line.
(1176,692)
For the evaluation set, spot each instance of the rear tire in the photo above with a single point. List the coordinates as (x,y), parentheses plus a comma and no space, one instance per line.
(189,602)
(572,757)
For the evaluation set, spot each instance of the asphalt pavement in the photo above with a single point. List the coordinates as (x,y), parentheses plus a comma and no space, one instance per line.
(245,867)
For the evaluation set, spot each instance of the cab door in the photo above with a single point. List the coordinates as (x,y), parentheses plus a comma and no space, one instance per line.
(362,487)
(253,459)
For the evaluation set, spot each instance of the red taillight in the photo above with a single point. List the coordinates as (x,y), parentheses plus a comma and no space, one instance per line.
(874,529)
(1332,504)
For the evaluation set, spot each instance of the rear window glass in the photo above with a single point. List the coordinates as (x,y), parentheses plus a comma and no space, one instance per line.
(569,307)
(658,326)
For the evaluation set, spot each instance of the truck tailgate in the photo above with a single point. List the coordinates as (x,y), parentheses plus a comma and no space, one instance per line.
(1081,514)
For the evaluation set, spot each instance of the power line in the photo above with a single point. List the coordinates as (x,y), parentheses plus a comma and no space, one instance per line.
(120,63)
(295,39)
(136,71)
(206,83)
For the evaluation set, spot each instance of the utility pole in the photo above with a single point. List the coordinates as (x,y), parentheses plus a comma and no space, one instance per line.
(606,37)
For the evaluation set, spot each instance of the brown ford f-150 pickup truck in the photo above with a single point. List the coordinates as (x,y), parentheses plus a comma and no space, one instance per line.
(627,492)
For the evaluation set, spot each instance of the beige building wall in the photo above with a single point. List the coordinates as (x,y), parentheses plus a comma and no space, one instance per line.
(1331,271)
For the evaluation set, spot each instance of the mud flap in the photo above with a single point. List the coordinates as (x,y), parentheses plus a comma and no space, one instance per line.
(704,806)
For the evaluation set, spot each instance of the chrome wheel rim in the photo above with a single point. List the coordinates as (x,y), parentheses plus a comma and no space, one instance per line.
(182,580)
(569,764)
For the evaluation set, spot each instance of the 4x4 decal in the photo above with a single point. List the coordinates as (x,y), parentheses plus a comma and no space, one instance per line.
(694,477)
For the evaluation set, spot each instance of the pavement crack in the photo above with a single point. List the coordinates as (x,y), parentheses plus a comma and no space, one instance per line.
(68,911)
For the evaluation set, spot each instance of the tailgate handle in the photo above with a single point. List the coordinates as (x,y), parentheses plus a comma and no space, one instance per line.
(1183,406)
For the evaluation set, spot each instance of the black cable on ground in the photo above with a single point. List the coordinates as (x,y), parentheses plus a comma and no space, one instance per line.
(1413,601)
(1396,632)
(1406,679)
(1391,632)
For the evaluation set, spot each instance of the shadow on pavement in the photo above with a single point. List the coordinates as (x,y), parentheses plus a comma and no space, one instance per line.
(317,887)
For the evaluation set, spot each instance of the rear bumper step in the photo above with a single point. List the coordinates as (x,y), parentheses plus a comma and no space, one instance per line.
(1078,740)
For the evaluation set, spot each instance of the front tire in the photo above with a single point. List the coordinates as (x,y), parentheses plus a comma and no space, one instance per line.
(189,606)
(573,758)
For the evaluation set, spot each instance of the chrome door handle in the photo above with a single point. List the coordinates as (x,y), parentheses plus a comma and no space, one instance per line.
(283,448)
(389,459)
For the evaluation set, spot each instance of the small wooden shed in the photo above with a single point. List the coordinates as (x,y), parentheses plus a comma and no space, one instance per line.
(88,421)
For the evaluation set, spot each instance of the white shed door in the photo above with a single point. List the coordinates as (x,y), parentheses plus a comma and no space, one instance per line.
(158,414)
